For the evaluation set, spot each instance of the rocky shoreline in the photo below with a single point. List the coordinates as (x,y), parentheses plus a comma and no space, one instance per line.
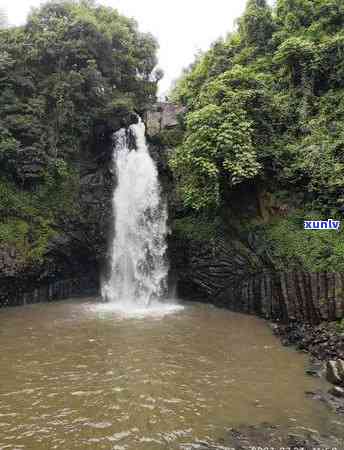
(324,342)
(271,437)
(325,345)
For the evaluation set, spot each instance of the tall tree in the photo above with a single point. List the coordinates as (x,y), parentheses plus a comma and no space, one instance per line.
(283,69)
(256,25)
(73,74)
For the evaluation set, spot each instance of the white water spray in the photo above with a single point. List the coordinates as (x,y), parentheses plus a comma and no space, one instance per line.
(138,265)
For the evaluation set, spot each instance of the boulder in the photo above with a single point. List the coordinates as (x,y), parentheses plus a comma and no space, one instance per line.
(333,374)
(337,391)
(340,368)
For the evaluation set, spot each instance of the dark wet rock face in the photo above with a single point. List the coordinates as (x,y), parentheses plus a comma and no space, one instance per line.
(30,165)
(10,263)
(232,272)
(50,291)
(77,251)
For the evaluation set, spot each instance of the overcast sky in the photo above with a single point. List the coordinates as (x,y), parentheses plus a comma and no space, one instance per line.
(182,27)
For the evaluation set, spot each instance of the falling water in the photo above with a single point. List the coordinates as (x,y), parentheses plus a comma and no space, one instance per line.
(138,265)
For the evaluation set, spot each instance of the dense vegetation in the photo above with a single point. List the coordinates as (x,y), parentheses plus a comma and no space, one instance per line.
(72,72)
(264,116)
(265,108)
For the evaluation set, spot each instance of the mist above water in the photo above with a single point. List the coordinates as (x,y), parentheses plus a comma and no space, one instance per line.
(138,275)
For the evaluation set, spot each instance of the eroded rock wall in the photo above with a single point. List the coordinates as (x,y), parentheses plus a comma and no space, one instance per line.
(77,251)
(234,273)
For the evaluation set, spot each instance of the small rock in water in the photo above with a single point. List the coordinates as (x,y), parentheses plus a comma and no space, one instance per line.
(274,327)
(310,393)
(340,367)
(332,373)
(337,391)
(314,369)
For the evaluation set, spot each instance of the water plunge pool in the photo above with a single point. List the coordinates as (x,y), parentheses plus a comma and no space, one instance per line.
(82,374)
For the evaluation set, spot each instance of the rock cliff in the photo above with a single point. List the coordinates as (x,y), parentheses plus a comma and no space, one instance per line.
(77,251)
(232,267)
(227,267)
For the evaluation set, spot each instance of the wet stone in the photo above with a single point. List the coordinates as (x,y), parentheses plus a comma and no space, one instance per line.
(332,373)
(340,367)
(337,391)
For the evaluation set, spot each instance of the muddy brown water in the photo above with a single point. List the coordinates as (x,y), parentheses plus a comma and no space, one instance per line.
(79,375)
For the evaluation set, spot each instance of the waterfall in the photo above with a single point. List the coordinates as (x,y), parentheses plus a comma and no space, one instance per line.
(138,266)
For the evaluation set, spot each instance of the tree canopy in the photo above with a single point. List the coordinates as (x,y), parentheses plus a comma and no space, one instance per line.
(73,68)
(265,105)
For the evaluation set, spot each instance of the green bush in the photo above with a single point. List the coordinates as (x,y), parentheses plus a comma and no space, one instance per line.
(197,228)
(266,105)
(293,247)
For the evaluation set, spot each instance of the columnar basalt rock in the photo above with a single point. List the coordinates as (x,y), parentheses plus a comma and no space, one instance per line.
(231,273)
(295,296)
(20,295)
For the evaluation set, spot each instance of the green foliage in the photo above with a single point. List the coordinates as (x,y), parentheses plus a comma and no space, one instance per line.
(30,240)
(197,227)
(26,223)
(73,66)
(265,107)
(267,104)
(340,326)
(171,138)
(314,17)
(218,143)
(256,26)
(294,248)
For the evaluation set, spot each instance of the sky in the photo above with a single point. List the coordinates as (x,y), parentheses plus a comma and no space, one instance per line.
(182,27)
